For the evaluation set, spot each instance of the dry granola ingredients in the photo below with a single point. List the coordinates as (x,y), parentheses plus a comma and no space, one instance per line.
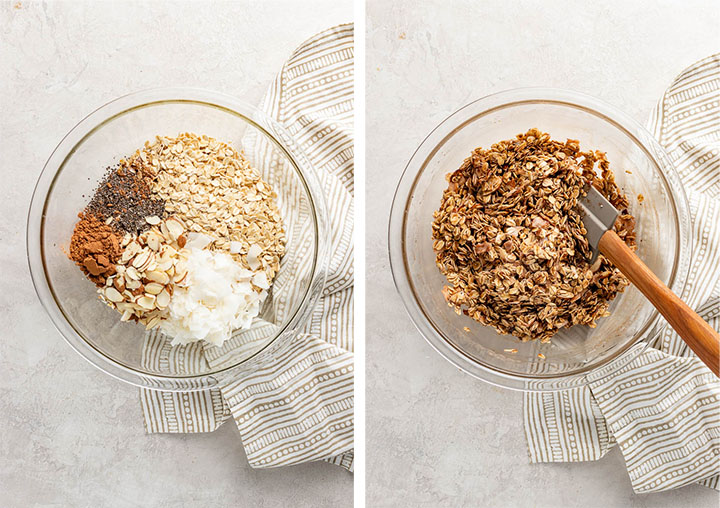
(510,240)
(184,236)
(216,192)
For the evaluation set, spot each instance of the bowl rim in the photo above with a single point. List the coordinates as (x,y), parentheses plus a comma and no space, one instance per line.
(416,165)
(122,105)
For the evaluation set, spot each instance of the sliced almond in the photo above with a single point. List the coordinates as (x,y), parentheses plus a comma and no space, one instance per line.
(169,251)
(175,228)
(133,248)
(153,241)
(162,300)
(119,283)
(132,273)
(141,259)
(180,266)
(158,276)
(151,264)
(153,219)
(123,306)
(153,288)
(180,277)
(126,256)
(146,302)
(113,295)
(152,323)
(164,265)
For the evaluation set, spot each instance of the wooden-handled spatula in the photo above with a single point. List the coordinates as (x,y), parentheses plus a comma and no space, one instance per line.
(599,218)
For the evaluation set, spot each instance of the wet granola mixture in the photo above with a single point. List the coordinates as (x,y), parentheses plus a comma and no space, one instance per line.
(510,240)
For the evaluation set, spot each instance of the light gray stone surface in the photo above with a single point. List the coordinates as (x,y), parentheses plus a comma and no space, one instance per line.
(69,434)
(436,436)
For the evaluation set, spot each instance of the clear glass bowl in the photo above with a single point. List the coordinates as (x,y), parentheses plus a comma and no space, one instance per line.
(663,231)
(116,130)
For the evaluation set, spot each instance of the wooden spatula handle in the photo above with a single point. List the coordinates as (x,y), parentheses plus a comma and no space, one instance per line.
(696,333)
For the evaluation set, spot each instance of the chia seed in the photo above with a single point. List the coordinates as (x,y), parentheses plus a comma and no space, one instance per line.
(124,195)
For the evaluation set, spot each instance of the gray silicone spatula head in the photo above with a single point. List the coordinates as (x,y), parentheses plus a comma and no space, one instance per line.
(598,216)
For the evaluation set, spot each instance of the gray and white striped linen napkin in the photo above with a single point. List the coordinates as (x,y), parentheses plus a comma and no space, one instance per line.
(663,409)
(294,401)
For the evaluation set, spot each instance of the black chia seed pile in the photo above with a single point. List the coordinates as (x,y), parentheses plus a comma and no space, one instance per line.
(124,195)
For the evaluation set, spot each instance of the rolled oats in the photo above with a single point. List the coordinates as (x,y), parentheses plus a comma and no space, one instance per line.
(214,191)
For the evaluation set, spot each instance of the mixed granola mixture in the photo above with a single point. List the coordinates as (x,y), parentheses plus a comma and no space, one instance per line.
(510,240)
(183,235)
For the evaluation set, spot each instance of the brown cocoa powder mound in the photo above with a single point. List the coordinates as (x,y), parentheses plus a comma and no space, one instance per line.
(95,248)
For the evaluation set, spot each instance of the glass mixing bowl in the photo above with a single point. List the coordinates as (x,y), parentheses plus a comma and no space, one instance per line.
(663,232)
(67,181)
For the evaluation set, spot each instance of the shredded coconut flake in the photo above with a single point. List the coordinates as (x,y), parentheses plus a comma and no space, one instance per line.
(260,280)
(198,241)
(253,256)
(217,298)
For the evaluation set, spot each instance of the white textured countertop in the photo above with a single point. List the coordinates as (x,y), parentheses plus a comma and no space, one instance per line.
(436,436)
(69,434)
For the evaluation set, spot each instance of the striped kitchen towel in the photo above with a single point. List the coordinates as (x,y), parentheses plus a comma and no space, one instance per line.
(294,401)
(663,409)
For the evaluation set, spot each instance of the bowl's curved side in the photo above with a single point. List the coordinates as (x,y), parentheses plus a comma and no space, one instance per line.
(398,242)
(37,211)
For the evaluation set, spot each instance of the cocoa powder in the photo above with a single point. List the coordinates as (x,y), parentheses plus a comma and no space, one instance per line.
(95,248)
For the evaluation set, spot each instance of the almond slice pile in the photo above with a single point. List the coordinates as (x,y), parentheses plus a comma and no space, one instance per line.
(150,265)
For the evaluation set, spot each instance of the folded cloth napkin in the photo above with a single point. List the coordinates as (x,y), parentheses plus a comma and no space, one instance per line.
(294,401)
(663,408)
